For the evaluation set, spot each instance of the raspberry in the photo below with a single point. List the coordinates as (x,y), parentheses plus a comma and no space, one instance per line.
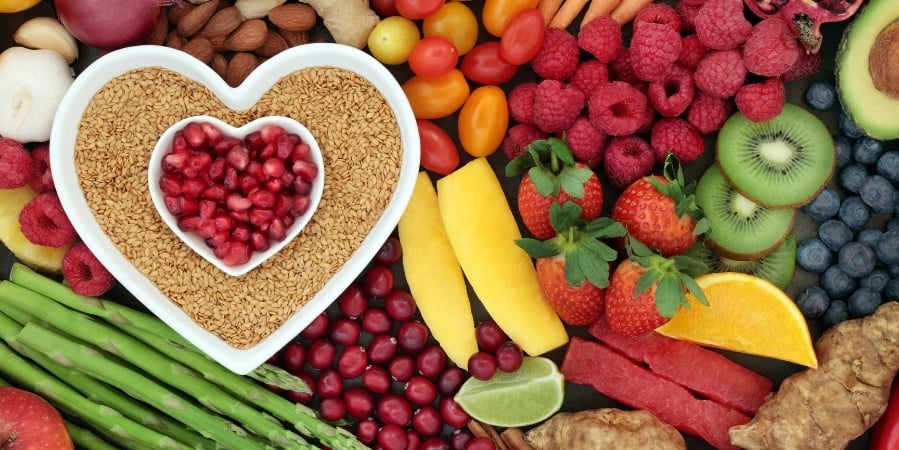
(658,13)
(692,2)
(771,48)
(676,136)
(621,68)
(708,112)
(15,164)
(521,102)
(691,52)
(558,55)
(672,95)
(720,73)
(720,24)
(601,37)
(518,137)
(627,158)
(617,108)
(44,222)
(41,178)
(590,75)
(761,101)
(556,105)
(649,118)
(586,142)
(654,49)
(84,273)
(687,14)
(806,65)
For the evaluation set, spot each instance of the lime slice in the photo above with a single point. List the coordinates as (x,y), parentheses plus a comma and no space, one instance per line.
(515,399)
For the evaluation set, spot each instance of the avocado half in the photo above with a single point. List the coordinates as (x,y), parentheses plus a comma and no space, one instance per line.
(873,111)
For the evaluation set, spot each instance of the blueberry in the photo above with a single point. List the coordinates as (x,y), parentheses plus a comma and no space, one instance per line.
(813,302)
(876,280)
(821,95)
(893,269)
(836,283)
(852,176)
(888,248)
(836,313)
(813,255)
(848,127)
(825,206)
(854,213)
(888,165)
(834,234)
(869,237)
(864,302)
(893,223)
(891,290)
(866,151)
(878,193)
(843,148)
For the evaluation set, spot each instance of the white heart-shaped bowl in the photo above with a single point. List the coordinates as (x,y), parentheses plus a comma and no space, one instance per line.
(193,240)
(62,162)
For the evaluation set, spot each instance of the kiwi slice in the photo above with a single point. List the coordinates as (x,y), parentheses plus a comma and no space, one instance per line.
(740,228)
(779,163)
(777,267)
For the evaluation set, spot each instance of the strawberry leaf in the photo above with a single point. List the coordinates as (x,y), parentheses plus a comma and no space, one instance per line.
(573,178)
(561,150)
(565,216)
(605,227)
(538,249)
(689,264)
(646,281)
(669,296)
(693,288)
(544,181)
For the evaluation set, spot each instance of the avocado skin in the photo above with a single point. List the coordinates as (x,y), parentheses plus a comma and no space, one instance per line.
(874,112)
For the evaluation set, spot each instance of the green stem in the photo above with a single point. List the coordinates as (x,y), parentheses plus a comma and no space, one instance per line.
(86,439)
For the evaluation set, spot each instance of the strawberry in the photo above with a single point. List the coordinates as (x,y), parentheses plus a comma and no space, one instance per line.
(573,267)
(552,176)
(661,212)
(647,289)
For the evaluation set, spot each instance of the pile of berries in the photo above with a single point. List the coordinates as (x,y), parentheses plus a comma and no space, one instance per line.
(856,249)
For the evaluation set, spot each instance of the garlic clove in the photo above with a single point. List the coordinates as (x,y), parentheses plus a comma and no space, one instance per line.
(32,84)
(256,9)
(49,34)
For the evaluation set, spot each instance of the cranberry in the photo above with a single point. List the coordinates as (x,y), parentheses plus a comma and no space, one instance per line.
(332,409)
(452,413)
(376,379)
(482,365)
(400,305)
(412,336)
(490,336)
(303,397)
(344,332)
(352,361)
(401,368)
(460,437)
(378,281)
(390,252)
(427,421)
(450,380)
(274,360)
(392,437)
(321,353)
(367,431)
(480,443)
(414,440)
(420,390)
(294,356)
(431,361)
(509,357)
(376,321)
(330,383)
(382,349)
(394,410)
(352,302)
(317,328)
(435,443)
(275,389)
(359,402)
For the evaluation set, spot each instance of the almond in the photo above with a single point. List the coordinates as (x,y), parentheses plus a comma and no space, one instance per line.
(249,36)
(194,21)
(218,43)
(219,64)
(176,13)
(293,17)
(174,40)
(160,30)
(273,45)
(222,23)
(241,64)
(294,38)
(200,48)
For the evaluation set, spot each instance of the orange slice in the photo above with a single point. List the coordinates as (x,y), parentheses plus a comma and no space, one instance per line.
(746,314)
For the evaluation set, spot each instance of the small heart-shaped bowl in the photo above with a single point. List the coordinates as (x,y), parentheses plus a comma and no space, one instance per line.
(194,240)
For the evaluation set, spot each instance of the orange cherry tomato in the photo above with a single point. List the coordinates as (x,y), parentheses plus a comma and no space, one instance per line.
(454,21)
(436,97)
(497,14)
(439,153)
(522,39)
(483,121)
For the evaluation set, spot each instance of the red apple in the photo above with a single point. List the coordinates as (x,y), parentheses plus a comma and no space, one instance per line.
(28,422)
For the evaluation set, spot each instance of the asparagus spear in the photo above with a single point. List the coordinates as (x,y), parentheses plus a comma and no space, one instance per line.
(86,439)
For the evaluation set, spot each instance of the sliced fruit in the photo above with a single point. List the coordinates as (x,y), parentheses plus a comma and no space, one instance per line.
(746,314)
(777,267)
(43,258)
(482,231)
(782,162)
(739,228)
(434,275)
(513,399)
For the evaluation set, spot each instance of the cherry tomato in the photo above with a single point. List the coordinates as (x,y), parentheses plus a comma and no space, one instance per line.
(433,98)
(522,38)
(438,151)
(433,56)
(485,65)
(456,22)
(392,39)
(483,121)
(418,9)
(384,8)
(498,13)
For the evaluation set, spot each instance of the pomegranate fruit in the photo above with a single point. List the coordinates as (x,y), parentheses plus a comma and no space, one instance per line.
(805,16)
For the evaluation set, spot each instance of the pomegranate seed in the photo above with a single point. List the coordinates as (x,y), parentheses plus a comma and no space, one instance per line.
(238,254)
(216,193)
(359,402)
(317,328)
(194,134)
(332,409)
(260,217)
(262,198)
(284,146)
(376,321)
(382,348)
(412,337)
(482,365)
(431,361)
(254,168)
(219,238)
(277,231)
(378,281)
(450,381)
(301,151)
(208,209)
(460,437)
(220,251)
(193,188)
(254,140)
(400,305)
(344,331)
(321,353)
(187,223)
(304,169)
(301,186)
(288,221)
(247,183)
(303,397)
(200,162)
(452,413)
(170,183)
(259,242)
(225,144)
(238,157)
(390,252)
(174,161)
(300,205)
(222,222)
(217,170)
(434,443)
(401,368)
(394,410)
(490,336)
(352,302)
(480,443)
(509,357)
(330,383)
(367,431)
(273,167)
(268,151)
(231,178)
(179,143)
(283,203)
(241,233)
(427,421)
(274,185)
(241,216)
(237,202)
(172,204)
(205,228)
(294,356)
(213,134)
(271,133)
(392,437)
(420,390)
(376,379)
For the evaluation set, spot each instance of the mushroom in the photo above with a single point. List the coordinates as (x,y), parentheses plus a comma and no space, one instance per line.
(32,83)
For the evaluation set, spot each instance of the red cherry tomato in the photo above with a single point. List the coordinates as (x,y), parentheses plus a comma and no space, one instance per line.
(433,98)
(497,14)
(438,151)
(384,8)
(522,38)
(483,121)
(418,9)
(485,65)
(433,56)
(456,22)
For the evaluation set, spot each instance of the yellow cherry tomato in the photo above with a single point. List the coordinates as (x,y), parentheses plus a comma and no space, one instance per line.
(498,13)
(392,39)
(14,6)
(456,22)
(436,97)
(483,121)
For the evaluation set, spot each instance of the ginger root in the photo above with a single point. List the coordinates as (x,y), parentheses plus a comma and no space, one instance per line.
(348,21)
(604,429)
(829,406)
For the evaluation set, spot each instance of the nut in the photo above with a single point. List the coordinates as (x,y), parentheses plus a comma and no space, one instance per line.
(219,64)
(293,17)
(174,40)
(200,48)
(249,36)
(160,30)
(241,64)
(222,23)
(218,43)
(193,21)
(176,13)
(273,45)
(294,38)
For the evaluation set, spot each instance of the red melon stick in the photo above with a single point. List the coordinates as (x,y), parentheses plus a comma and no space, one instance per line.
(613,375)
(720,379)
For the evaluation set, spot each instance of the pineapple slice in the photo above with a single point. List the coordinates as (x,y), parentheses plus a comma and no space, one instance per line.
(42,258)
(482,231)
